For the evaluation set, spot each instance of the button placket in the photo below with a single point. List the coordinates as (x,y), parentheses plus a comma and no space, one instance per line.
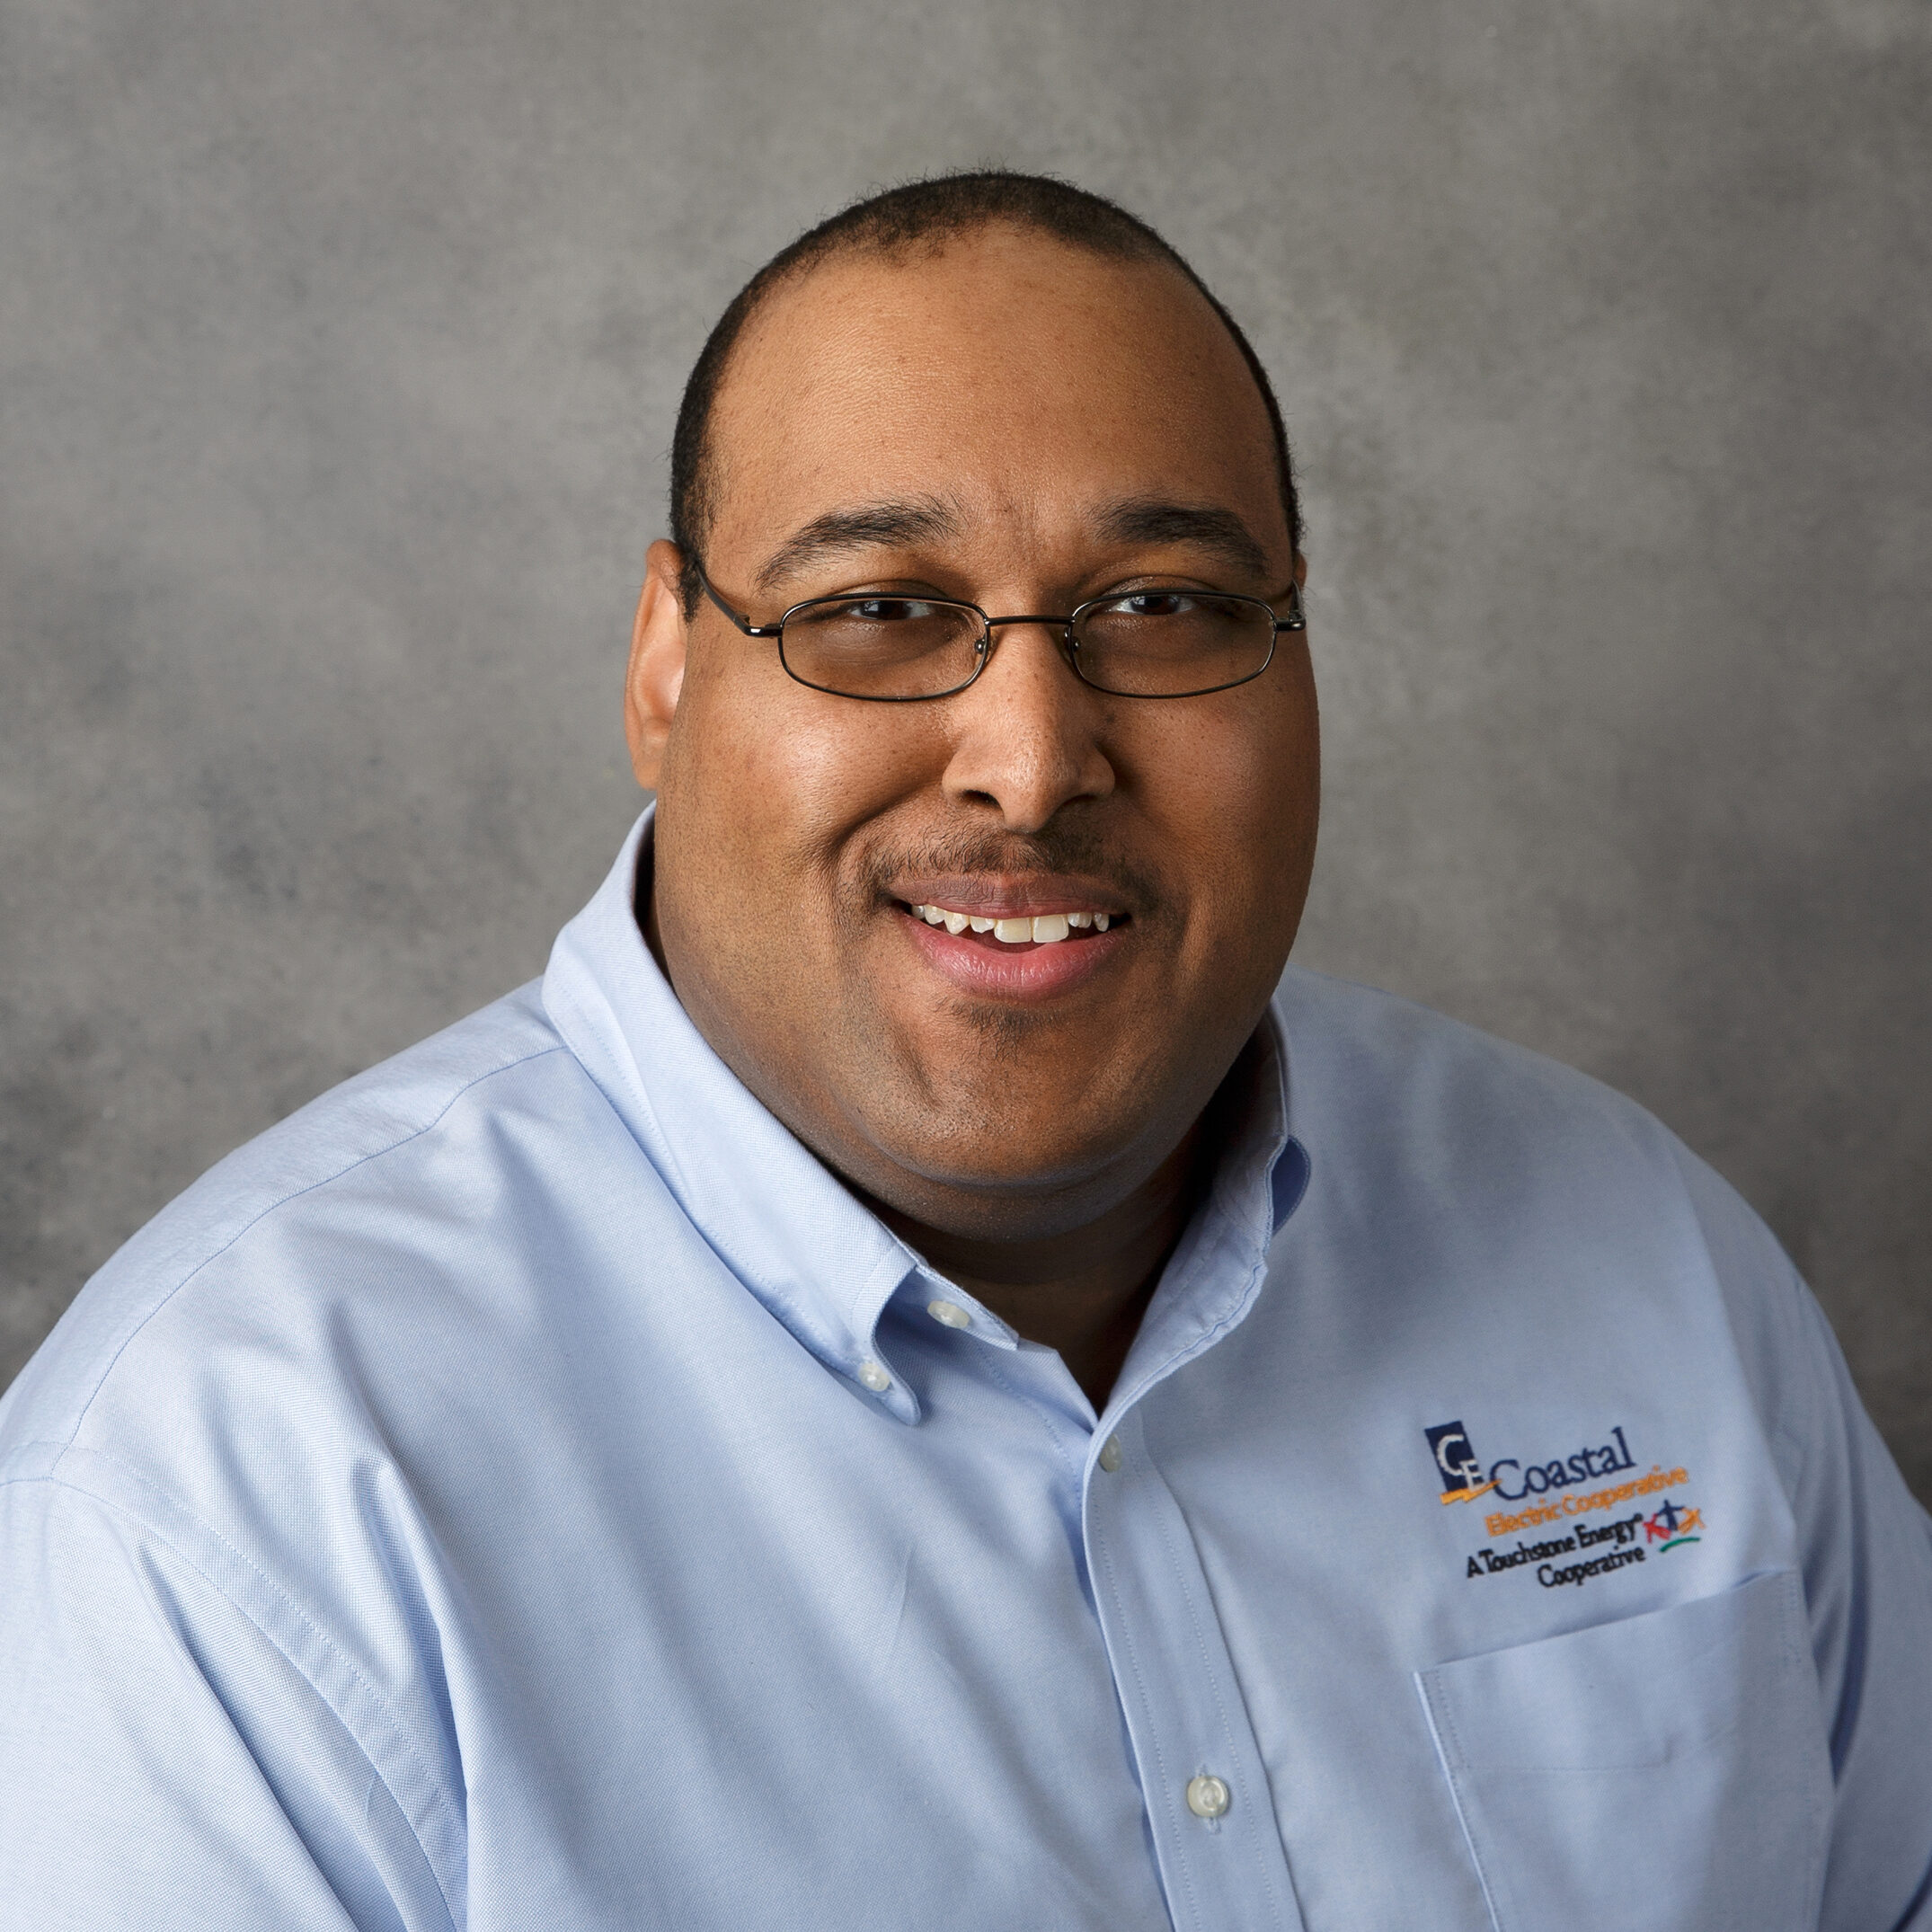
(1216,1841)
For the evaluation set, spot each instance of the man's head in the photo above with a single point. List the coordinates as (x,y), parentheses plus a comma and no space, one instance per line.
(1023,402)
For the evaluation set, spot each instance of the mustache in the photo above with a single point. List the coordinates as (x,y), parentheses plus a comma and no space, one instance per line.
(1076,850)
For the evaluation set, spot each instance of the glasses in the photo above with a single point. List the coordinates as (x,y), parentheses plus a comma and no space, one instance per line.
(898,650)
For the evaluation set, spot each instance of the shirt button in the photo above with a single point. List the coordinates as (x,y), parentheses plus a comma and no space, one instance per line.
(873,1376)
(1110,1454)
(1208,1797)
(949,1313)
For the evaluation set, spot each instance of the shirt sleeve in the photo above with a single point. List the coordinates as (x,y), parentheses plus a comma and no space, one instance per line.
(162,1763)
(1865,1552)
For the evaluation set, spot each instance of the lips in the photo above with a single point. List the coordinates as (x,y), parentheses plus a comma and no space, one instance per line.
(1047,956)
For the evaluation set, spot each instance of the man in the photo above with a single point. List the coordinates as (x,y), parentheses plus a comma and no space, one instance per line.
(905,1384)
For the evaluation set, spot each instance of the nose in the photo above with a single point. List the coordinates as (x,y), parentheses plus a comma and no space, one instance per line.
(1027,733)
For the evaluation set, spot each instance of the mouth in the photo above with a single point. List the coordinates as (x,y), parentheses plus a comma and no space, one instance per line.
(1012,943)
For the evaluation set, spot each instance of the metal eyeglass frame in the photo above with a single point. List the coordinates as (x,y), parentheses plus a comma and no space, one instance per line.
(1293,619)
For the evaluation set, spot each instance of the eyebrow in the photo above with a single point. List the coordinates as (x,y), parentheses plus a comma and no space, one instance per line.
(927,519)
(1206,526)
(907,520)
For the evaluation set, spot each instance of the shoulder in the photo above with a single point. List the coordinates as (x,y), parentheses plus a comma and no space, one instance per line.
(381,1161)
(314,1373)
(1383,1080)
(1406,1095)
(1347,1040)
(1435,1143)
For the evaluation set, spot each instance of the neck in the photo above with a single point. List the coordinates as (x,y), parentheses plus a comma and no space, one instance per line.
(1082,1292)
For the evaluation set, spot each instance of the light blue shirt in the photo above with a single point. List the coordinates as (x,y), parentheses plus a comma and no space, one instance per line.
(526,1490)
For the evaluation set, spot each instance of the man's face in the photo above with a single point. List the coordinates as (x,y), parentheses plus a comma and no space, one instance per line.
(1024,426)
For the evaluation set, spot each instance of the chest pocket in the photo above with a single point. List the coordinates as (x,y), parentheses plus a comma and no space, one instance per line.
(1664,1773)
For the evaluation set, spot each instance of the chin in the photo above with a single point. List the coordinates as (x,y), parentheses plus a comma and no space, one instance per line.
(998,1209)
(983,1172)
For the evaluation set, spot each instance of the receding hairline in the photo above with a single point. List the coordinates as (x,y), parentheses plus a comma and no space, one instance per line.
(792,278)
(795,279)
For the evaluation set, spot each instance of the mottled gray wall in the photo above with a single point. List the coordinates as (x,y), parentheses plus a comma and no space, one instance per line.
(341,346)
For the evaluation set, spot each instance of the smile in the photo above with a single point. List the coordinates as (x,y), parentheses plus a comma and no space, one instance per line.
(1039,929)
(1000,948)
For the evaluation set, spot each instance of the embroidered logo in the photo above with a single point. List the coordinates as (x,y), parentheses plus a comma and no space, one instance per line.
(1672,1525)
(1456,1462)
(1552,1499)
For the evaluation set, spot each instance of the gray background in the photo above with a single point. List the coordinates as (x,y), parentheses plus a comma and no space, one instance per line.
(341,348)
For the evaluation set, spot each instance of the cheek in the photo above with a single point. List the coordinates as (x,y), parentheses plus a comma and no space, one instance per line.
(1236,791)
(1280,786)
(768,778)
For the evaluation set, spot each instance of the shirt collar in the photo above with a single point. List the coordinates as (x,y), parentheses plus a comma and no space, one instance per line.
(1217,1271)
(820,1262)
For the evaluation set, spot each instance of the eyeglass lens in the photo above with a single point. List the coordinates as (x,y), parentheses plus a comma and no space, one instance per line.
(1166,644)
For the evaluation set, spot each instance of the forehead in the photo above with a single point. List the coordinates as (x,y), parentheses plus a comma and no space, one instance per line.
(1022,378)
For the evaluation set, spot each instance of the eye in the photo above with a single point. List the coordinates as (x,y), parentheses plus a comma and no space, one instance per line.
(888,609)
(1154,603)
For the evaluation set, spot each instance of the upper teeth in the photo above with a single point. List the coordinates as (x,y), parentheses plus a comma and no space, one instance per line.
(1044,929)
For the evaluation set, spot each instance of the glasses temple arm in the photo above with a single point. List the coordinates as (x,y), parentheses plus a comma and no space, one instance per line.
(743,623)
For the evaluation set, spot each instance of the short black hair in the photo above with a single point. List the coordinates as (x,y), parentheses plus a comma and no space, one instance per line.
(931,211)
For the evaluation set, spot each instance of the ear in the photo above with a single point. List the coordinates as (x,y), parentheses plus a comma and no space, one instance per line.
(656,675)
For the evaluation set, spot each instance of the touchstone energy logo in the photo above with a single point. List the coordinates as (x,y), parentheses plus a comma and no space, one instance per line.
(1673,1526)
